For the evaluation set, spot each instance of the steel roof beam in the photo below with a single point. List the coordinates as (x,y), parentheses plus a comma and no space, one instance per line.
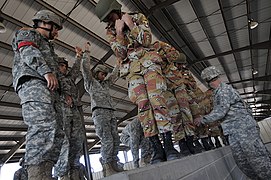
(261,78)
(261,45)
(160,6)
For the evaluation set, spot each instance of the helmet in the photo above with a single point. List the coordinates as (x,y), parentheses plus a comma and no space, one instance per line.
(100,68)
(105,7)
(63,60)
(48,16)
(181,59)
(210,73)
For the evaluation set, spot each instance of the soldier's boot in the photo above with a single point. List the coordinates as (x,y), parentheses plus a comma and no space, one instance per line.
(158,150)
(225,139)
(109,169)
(116,167)
(65,177)
(198,147)
(217,142)
(211,142)
(190,145)
(42,171)
(205,144)
(74,174)
(171,152)
(184,151)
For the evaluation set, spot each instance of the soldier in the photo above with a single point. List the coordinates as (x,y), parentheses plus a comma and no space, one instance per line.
(247,147)
(68,164)
(35,79)
(132,135)
(188,105)
(176,96)
(97,85)
(130,38)
(21,174)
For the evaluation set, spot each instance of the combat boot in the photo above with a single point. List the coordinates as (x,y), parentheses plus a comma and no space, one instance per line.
(42,171)
(109,169)
(171,152)
(217,142)
(211,142)
(205,144)
(184,151)
(116,166)
(190,145)
(158,150)
(198,147)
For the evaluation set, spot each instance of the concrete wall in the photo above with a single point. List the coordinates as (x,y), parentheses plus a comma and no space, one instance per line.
(216,164)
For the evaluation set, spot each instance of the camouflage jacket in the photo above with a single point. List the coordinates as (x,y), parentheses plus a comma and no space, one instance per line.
(34,57)
(229,107)
(98,91)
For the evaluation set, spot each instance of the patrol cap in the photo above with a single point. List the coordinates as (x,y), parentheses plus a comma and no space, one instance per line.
(210,73)
(105,7)
(48,16)
(101,68)
(181,59)
(63,60)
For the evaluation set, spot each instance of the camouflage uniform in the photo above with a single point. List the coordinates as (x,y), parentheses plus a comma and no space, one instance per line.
(41,107)
(20,174)
(72,124)
(176,95)
(141,66)
(102,110)
(132,135)
(247,147)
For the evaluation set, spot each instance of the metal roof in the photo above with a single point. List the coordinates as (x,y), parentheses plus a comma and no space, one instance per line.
(209,32)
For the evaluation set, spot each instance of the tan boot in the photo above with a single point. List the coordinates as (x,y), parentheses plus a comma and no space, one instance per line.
(109,169)
(43,171)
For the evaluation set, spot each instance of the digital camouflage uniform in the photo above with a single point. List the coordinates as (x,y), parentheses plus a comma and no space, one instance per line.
(132,135)
(20,174)
(41,108)
(141,67)
(72,124)
(247,147)
(102,110)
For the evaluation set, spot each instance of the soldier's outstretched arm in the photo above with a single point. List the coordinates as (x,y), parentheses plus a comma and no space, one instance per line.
(74,72)
(86,70)
(113,77)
